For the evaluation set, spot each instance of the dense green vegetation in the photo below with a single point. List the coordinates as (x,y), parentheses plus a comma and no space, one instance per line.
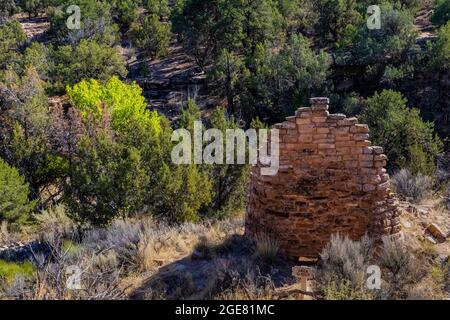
(106,155)
(14,204)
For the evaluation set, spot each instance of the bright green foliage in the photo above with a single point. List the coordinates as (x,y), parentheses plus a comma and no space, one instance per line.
(87,60)
(15,206)
(128,108)
(175,192)
(441,13)
(9,271)
(96,23)
(107,180)
(152,35)
(408,140)
(12,37)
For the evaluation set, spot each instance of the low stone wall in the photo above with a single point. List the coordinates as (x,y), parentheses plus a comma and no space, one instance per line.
(331,180)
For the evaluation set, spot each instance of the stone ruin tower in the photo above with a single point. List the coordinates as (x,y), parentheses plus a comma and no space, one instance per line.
(330,180)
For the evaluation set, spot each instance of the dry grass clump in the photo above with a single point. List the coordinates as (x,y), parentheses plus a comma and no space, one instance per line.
(402,268)
(266,247)
(109,258)
(406,272)
(54,220)
(342,272)
(446,197)
(239,278)
(411,187)
(250,287)
(54,274)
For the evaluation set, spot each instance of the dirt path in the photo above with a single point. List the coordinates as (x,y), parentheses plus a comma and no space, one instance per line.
(422,21)
(35,28)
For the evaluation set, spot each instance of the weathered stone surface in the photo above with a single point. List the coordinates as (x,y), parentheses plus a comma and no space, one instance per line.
(330,181)
(437,232)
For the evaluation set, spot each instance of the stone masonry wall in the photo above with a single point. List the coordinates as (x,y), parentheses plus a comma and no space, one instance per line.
(331,180)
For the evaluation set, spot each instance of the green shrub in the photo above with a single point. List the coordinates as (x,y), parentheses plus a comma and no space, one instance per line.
(88,59)
(9,271)
(12,37)
(152,35)
(408,141)
(107,181)
(441,13)
(344,291)
(15,207)
(96,23)
(440,50)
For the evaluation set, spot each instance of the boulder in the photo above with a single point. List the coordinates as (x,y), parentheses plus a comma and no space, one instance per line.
(437,232)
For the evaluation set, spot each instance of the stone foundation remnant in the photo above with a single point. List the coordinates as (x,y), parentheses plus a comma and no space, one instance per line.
(331,180)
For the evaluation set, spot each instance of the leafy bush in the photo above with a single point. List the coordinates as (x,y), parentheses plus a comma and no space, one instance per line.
(408,141)
(12,37)
(25,122)
(206,27)
(412,187)
(126,11)
(37,55)
(130,118)
(441,13)
(107,181)
(89,59)
(229,182)
(440,50)
(379,54)
(152,35)
(281,81)
(177,192)
(8,7)
(15,207)
(96,23)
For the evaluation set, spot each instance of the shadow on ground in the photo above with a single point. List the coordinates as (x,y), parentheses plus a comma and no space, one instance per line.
(213,268)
